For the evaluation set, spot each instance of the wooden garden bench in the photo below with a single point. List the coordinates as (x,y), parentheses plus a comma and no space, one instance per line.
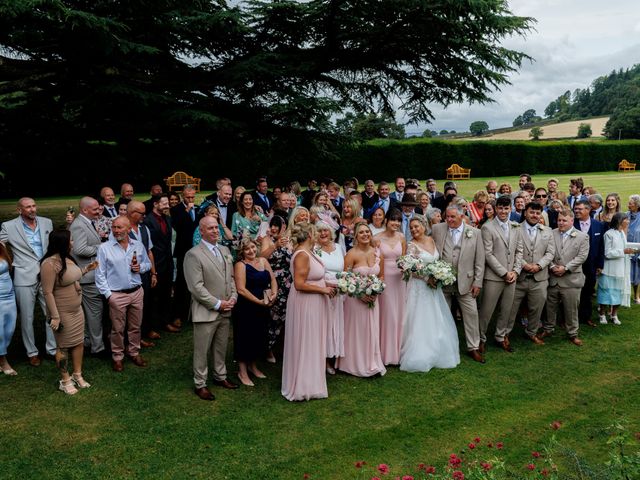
(625,166)
(179,180)
(456,172)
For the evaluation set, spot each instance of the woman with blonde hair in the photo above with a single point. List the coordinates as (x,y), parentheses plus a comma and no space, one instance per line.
(305,338)
(504,189)
(350,217)
(476,208)
(298,215)
(610,208)
(257,291)
(362,356)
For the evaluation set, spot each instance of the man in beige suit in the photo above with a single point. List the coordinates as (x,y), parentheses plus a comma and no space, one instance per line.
(502,241)
(566,278)
(461,245)
(208,271)
(538,252)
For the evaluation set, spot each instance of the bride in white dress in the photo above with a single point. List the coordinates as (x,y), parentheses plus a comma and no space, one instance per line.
(430,337)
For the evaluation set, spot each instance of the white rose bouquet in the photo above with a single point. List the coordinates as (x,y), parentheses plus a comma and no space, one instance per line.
(440,274)
(356,285)
(411,266)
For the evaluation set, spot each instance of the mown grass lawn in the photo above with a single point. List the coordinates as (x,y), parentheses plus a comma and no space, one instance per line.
(147,423)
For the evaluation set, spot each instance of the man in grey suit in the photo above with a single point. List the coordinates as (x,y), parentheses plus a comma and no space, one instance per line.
(208,271)
(28,237)
(503,255)
(461,246)
(566,278)
(86,242)
(538,252)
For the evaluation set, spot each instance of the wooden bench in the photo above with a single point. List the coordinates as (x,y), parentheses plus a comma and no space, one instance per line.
(625,166)
(456,172)
(179,180)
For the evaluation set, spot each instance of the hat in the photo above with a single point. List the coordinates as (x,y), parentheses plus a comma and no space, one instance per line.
(409,200)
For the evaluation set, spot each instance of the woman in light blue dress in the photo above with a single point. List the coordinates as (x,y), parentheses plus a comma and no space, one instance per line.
(8,310)
(633,235)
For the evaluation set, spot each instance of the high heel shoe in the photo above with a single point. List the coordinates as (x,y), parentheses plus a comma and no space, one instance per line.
(247,382)
(67,387)
(79,381)
(7,370)
(258,374)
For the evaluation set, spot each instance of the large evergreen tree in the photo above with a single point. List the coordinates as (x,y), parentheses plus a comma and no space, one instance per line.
(191,71)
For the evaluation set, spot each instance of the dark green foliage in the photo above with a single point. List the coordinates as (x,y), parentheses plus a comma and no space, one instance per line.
(536,133)
(369,126)
(584,130)
(478,127)
(624,123)
(517,122)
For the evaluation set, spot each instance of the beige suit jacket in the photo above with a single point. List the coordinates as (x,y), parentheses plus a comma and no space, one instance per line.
(541,252)
(501,256)
(471,261)
(571,255)
(209,279)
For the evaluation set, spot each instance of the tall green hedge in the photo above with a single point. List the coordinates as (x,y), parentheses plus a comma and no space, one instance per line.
(430,158)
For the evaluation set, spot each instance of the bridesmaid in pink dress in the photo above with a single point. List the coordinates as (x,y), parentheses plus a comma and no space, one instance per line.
(303,362)
(392,301)
(362,323)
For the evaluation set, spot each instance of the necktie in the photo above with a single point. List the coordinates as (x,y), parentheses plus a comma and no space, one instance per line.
(505,231)
(112,211)
(93,224)
(454,236)
(584,226)
(399,196)
(192,214)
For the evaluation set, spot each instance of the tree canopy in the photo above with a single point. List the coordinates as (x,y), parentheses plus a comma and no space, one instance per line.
(191,71)
(478,127)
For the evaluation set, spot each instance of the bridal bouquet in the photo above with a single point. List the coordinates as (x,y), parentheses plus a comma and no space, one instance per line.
(357,285)
(441,274)
(412,266)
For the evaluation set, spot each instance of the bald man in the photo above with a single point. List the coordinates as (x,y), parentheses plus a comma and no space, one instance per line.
(28,237)
(86,241)
(121,262)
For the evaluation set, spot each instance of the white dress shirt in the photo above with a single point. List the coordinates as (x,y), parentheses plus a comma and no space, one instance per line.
(504,226)
(456,233)
(114,266)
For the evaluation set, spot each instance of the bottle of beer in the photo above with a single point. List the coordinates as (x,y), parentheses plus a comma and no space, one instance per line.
(134,259)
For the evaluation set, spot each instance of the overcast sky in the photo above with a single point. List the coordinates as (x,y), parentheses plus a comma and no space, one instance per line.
(575,42)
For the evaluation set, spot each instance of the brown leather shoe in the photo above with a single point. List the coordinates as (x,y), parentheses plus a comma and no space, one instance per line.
(536,340)
(146,344)
(117,366)
(545,334)
(153,335)
(225,384)
(505,345)
(204,393)
(576,341)
(482,348)
(139,361)
(35,361)
(475,355)
(172,328)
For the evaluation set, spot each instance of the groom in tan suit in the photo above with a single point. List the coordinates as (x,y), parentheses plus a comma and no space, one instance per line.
(503,254)
(566,278)
(208,271)
(538,252)
(461,246)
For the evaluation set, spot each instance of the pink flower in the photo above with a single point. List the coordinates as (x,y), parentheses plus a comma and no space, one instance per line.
(544,472)
(471,446)
(407,477)
(535,454)
(375,478)
(499,445)
(556,425)
(476,440)
(421,466)
(383,468)
(458,475)
(486,466)
(430,470)
(360,464)
(531,466)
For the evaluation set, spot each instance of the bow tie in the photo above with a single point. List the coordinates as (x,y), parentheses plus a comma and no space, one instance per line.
(222,205)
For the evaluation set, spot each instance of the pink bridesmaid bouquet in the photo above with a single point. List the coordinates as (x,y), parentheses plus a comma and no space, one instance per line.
(411,267)
(357,285)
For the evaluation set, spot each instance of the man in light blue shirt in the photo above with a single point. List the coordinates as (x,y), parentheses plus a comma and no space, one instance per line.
(121,260)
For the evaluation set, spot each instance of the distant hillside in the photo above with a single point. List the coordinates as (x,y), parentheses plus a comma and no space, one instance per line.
(551,130)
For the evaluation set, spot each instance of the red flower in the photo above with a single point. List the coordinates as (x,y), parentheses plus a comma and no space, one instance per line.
(360,464)
(458,475)
(499,445)
(421,466)
(544,472)
(531,466)
(430,470)
(486,466)
(306,476)
(535,454)
(476,440)
(454,461)
(375,478)
(383,468)
(556,425)
(407,477)
(471,446)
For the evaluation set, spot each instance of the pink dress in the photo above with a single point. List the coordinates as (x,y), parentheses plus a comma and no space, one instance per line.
(305,336)
(392,305)
(362,334)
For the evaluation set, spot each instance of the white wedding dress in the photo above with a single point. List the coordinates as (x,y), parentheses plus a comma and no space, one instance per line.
(430,337)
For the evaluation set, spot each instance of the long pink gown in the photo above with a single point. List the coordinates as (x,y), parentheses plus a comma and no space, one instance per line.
(305,337)
(362,334)
(392,304)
